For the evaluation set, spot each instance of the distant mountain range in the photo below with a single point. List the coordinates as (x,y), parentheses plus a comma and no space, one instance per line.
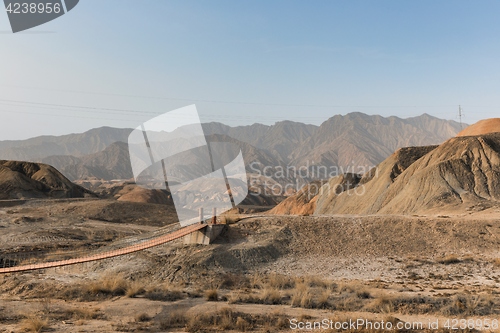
(78,145)
(341,142)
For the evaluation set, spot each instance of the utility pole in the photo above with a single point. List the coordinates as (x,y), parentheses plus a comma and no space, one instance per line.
(460,116)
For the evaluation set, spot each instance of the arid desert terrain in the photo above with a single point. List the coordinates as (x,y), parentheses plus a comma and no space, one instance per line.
(414,244)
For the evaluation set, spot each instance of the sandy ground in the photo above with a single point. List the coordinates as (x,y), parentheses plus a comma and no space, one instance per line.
(439,257)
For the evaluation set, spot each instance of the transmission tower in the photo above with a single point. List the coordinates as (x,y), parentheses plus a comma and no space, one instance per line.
(460,114)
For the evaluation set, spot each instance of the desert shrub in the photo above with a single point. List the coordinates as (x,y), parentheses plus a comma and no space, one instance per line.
(301,296)
(266,296)
(103,288)
(348,302)
(233,281)
(314,281)
(353,288)
(88,314)
(406,304)
(256,281)
(245,298)
(225,319)
(163,294)
(363,294)
(134,289)
(306,301)
(470,305)
(449,259)
(270,296)
(76,314)
(381,305)
(222,319)
(323,299)
(176,319)
(282,323)
(34,324)
(113,285)
(280,281)
(229,320)
(143,317)
(212,295)
(242,325)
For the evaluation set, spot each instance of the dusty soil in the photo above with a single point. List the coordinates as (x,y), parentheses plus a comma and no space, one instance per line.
(404,267)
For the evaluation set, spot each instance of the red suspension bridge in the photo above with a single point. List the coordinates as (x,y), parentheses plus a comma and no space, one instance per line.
(138,246)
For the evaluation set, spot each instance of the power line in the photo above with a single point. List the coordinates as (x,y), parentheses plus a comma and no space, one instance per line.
(192,100)
(100,109)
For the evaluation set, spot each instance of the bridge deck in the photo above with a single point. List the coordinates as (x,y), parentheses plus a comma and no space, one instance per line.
(110,254)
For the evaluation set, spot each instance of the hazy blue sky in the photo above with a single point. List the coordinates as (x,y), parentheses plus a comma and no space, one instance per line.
(249,61)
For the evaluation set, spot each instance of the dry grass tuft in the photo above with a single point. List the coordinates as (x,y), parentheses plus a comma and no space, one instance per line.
(280,281)
(176,319)
(223,319)
(212,295)
(363,294)
(59,313)
(382,304)
(470,305)
(314,281)
(142,318)
(302,296)
(114,285)
(34,324)
(163,294)
(323,301)
(270,296)
(234,281)
(135,289)
(353,287)
(449,259)
(306,301)
(86,313)
(242,325)
(256,281)
(229,320)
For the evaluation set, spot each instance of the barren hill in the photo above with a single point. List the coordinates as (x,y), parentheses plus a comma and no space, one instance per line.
(482,127)
(462,174)
(372,185)
(301,203)
(134,193)
(20,180)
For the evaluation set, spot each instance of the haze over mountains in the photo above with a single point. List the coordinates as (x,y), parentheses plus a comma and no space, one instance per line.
(78,145)
(341,142)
